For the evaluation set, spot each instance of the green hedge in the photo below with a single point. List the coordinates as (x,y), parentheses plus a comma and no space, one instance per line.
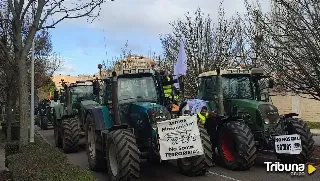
(42,162)
(313,125)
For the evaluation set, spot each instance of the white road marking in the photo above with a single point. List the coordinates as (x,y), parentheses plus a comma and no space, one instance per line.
(220,175)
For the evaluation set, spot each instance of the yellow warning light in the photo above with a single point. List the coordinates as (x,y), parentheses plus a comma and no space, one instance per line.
(311,169)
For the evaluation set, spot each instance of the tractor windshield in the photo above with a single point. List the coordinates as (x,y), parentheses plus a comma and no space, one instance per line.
(237,88)
(81,91)
(137,88)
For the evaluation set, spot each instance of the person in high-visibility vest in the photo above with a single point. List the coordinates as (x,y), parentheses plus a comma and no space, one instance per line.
(167,85)
(175,95)
(203,115)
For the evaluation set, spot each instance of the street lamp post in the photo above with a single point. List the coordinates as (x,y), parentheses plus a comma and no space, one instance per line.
(32,86)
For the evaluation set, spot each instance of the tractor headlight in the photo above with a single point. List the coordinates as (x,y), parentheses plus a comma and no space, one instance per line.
(269,113)
(75,111)
(157,115)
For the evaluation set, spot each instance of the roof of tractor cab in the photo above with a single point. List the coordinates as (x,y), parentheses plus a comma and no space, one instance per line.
(132,73)
(81,83)
(233,72)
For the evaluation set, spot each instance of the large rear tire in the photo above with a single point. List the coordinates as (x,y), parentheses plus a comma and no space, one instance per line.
(122,155)
(298,126)
(70,135)
(198,165)
(93,142)
(44,122)
(57,135)
(236,146)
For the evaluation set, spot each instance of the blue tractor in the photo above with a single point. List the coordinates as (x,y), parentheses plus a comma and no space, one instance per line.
(123,129)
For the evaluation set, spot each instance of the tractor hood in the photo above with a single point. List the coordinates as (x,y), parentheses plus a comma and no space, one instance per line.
(155,112)
(248,103)
(268,112)
(87,104)
(146,107)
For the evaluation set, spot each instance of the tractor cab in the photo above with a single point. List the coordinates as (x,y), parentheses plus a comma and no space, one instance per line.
(134,97)
(73,94)
(243,89)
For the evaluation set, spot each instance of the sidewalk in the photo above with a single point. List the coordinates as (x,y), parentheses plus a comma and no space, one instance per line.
(2,153)
(2,159)
(315,132)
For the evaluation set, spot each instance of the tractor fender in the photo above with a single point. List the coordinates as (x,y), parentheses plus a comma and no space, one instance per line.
(86,107)
(289,115)
(222,121)
(104,133)
(101,116)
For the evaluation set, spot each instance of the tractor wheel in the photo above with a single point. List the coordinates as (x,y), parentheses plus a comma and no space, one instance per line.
(57,136)
(93,141)
(70,135)
(298,126)
(44,123)
(122,156)
(236,146)
(198,165)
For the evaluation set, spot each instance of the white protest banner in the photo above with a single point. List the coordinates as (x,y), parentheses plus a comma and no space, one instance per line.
(288,144)
(179,138)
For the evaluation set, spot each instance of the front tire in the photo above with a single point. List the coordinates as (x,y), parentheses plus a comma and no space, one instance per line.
(298,126)
(236,146)
(122,155)
(71,135)
(198,165)
(93,141)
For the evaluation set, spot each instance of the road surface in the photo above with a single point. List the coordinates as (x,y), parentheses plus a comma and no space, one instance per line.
(168,172)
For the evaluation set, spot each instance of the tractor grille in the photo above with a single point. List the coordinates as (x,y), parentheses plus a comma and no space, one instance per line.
(270,112)
(159,114)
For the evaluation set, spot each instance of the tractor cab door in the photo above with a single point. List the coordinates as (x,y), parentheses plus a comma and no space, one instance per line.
(207,91)
(261,88)
(107,94)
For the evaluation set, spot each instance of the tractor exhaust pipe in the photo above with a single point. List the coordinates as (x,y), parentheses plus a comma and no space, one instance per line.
(115,109)
(220,106)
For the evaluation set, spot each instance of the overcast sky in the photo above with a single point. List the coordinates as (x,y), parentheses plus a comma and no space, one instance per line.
(83,45)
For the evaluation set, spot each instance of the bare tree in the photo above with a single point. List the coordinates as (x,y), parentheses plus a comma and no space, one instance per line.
(291,44)
(45,64)
(22,37)
(208,46)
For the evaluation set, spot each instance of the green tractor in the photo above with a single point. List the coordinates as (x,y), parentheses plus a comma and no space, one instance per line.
(44,114)
(251,123)
(69,122)
(124,129)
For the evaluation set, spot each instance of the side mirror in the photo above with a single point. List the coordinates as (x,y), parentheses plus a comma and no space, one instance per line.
(55,96)
(271,83)
(95,88)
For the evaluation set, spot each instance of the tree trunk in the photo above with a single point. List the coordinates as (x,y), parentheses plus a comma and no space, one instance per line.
(9,116)
(23,101)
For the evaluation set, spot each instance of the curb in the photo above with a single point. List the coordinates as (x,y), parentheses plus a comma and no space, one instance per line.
(40,135)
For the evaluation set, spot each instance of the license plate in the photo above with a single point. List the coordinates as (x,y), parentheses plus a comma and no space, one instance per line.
(288,144)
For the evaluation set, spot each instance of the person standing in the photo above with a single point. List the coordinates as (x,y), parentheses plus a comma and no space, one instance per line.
(167,83)
(203,116)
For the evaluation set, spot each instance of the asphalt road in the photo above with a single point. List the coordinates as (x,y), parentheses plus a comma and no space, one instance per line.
(168,172)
